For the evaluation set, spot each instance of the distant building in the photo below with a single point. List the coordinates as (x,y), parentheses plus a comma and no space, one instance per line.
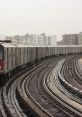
(8,38)
(34,39)
(19,39)
(71,39)
(52,40)
(16,39)
(80,38)
(60,42)
(2,37)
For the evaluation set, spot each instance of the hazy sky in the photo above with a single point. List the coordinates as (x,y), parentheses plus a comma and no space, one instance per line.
(38,16)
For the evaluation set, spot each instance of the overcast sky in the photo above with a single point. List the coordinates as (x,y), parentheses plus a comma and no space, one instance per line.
(40,16)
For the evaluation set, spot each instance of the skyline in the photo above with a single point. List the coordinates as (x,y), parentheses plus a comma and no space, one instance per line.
(53,17)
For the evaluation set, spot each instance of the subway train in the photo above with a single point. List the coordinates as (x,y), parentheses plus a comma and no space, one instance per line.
(14,57)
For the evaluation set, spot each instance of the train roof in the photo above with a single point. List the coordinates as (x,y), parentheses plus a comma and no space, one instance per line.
(6,45)
(10,45)
(66,46)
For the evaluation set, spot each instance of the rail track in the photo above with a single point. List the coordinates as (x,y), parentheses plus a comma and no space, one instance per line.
(56,91)
(34,89)
(71,79)
(71,74)
(24,94)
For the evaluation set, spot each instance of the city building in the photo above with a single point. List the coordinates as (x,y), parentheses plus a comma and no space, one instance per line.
(80,38)
(34,39)
(71,39)
(52,40)
(60,42)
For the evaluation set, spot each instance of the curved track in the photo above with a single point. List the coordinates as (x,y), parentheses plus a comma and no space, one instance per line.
(24,94)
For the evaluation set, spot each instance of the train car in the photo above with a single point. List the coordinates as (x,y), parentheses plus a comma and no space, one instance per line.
(14,57)
(8,56)
(74,49)
(41,53)
(63,50)
(55,51)
(51,51)
(60,50)
(47,52)
(1,59)
(21,55)
(81,49)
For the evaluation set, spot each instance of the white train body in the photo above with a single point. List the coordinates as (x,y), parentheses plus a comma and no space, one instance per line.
(13,57)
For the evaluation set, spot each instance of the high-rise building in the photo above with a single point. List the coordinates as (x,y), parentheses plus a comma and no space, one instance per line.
(69,39)
(34,39)
(52,40)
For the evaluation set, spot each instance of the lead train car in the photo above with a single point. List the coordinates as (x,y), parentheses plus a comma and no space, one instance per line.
(13,57)
(8,58)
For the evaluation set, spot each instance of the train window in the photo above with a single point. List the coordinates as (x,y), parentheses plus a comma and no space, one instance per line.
(0,54)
